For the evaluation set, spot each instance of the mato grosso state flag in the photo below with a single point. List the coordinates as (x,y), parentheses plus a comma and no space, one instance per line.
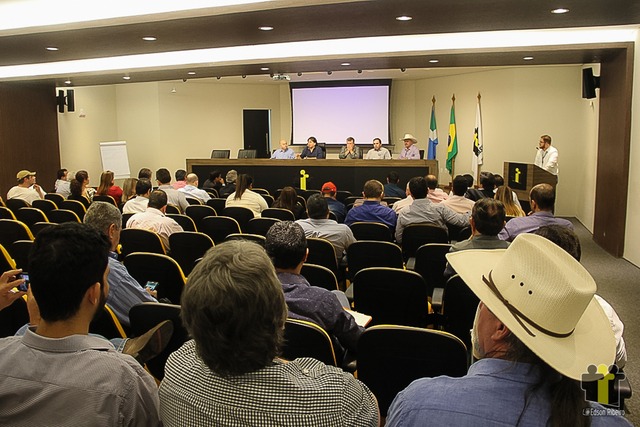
(452,143)
(478,144)
(433,132)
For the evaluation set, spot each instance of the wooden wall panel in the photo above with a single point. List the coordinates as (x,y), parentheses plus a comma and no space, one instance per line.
(28,133)
(614,141)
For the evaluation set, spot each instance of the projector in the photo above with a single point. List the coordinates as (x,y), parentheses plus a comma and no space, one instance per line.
(280,77)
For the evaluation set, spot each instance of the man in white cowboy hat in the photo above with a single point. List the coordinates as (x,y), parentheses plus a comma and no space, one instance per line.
(410,151)
(538,331)
(27,189)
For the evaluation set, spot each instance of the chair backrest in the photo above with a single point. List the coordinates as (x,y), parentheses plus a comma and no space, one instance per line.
(219,227)
(125,218)
(306,339)
(371,231)
(239,213)
(39,226)
(172,209)
(212,192)
(31,215)
(319,276)
(6,261)
(75,206)
(139,240)
(107,324)
(341,195)
(308,193)
(430,264)
(193,200)
(15,204)
(145,267)
(459,305)
(54,197)
(82,199)
(44,205)
(6,213)
(322,252)
(218,204)
(391,200)
(63,215)
(105,198)
(184,221)
(391,295)
(333,216)
(261,191)
(187,247)
(269,199)
(457,233)
(416,235)
(260,225)
(197,212)
(372,253)
(247,154)
(20,251)
(391,357)
(147,315)
(13,318)
(278,213)
(256,238)
(220,154)
(302,201)
(351,199)
(12,230)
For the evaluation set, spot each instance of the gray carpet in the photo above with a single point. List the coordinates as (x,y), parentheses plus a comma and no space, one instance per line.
(619,283)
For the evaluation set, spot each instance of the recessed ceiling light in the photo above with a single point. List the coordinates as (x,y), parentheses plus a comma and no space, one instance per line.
(52,48)
(264,68)
(126,77)
(528,58)
(560,11)
(403,18)
(67,82)
(265,28)
(346,64)
(149,39)
(192,73)
(434,61)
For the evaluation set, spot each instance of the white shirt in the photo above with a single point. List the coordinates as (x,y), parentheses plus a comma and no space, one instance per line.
(250,200)
(548,159)
(27,194)
(135,205)
(193,191)
(382,153)
(153,219)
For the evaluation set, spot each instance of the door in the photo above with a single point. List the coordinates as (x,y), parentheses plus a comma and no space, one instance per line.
(256,126)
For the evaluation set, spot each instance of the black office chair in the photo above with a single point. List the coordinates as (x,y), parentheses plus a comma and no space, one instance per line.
(260,225)
(322,252)
(184,221)
(193,201)
(139,240)
(13,230)
(219,227)
(430,264)
(106,324)
(15,204)
(187,247)
(371,231)
(59,216)
(20,251)
(54,197)
(105,198)
(247,154)
(372,253)
(306,339)
(256,238)
(416,235)
(44,205)
(220,154)
(320,276)
(218,204)
(6,213)
(31,215)
(145,267)
(241,214)
(278,213)
(198,212)
(459,306)
(75,206)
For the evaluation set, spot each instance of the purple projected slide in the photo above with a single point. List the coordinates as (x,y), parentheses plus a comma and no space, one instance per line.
(332,114)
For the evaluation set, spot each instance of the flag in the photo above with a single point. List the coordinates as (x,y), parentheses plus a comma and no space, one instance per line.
(478,144)
(433,133)
(452,143)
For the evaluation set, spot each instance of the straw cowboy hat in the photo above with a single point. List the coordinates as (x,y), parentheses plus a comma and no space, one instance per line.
(409,136)
(545,297)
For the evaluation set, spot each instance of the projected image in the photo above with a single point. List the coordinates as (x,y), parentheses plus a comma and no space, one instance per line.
(332,111)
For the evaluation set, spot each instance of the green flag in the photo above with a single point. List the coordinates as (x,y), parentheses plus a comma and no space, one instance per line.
(452,143)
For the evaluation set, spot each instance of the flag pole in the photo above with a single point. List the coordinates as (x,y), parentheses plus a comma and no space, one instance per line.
(478,167)
(453,161)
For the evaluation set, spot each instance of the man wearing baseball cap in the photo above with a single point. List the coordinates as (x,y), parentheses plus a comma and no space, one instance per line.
(329,191)
(27,189)
(410,151)
(538,331)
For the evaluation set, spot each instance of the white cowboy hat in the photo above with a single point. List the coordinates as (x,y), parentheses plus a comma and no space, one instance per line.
(409,136)
(545,297)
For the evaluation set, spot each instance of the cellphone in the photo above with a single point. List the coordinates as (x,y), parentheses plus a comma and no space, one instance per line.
(151,285)
(24,286)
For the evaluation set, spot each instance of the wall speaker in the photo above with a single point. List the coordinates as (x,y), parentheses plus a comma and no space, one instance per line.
(68,100)
(589,83)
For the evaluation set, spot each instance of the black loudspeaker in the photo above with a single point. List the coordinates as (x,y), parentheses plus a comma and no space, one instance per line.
(60,101)
(589,83)
(68,100)
(71,101)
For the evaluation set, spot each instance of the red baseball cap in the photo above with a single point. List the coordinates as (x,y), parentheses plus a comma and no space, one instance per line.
(329,187)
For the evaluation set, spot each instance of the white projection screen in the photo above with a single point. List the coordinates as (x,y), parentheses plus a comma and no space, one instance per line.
(333,111)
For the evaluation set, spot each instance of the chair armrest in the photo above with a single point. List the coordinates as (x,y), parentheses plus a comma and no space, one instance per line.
(436,299)
(411,263)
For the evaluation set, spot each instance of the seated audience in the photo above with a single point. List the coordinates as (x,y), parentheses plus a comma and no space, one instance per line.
(154,218)
(181,179)
(284,152)
(144,173)
(499,182)
(192,190)
(329,191)
(403,203)
(371,210)
(230,179)
(62,183)
(456,201)
(435,194)
(124,290)
(108,188)
(79,187)
(174,197)
(229,373)
(351,150)
(287,247)
(410,150)
(57,373)
(537,331)
(542,199)
(141,201)
(312,150)
(288,199)
(319,225)
(245,197)
(27,189)
(392,187)
(505,195)
(214,182)
(128,190)
(487,184)
(423,210)
(378,152)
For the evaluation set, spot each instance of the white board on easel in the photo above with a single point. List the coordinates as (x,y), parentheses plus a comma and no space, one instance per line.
(114,158)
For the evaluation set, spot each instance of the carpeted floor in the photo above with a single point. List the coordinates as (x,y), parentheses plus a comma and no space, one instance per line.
(619,283)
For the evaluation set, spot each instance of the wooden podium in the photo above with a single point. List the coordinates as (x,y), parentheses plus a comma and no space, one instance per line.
(521,177)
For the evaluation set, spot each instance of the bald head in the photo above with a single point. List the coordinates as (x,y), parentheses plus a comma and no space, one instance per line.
(192,179)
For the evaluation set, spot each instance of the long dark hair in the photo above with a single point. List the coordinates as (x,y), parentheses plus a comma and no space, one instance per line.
(243,183)
(287,200)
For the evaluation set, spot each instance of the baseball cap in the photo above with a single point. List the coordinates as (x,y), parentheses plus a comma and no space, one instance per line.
(329,187)
(24,173)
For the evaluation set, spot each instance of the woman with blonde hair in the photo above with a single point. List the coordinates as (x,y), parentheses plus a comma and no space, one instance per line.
(128,189)
(108,188)
(505,195)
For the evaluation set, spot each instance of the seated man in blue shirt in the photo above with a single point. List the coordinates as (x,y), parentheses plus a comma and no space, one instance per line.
(329,191)
(371,210)
(539,335)
(284,152)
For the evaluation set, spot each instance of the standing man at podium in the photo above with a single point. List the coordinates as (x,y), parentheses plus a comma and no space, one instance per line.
(547,156)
